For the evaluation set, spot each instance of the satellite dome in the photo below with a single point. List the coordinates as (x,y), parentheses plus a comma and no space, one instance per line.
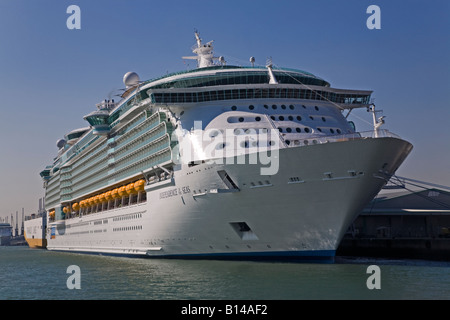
(130,79)
(60,143)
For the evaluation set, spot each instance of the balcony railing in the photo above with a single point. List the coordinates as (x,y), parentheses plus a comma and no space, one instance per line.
(381,133)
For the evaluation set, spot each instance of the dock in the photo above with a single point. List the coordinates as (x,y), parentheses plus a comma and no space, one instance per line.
(413,225)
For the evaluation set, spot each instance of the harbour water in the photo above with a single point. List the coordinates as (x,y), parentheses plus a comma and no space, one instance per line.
(34,274)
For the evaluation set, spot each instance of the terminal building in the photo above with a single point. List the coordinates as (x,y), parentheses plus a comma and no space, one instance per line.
(406,224)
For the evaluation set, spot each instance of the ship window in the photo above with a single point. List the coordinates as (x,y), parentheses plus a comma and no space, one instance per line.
(320,130)
(299,118)
(338,130)
(251,107)
(258,118)
(331,130)
(213,133)
(291,118)
(306,130)
(241,119)
(298,129)
(311,117)
(323,119)
(281,118)
(274,106)
(288,129)
(304,107)
(288,142)
(317,108)
(291,107)
(283,107)
(233,108)
(266,106)
(272,117)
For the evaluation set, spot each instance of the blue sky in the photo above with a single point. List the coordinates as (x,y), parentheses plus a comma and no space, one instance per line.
(50,76)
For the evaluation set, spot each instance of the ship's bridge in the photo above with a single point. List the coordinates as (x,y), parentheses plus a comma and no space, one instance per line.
(233,82)
(230,75)
(99,119)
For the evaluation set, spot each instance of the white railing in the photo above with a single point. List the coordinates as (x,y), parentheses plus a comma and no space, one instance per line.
(343,137)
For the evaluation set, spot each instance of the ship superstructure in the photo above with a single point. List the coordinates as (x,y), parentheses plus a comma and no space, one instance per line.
(221,161)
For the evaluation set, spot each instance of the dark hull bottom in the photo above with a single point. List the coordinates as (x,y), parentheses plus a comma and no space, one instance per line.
(319,256)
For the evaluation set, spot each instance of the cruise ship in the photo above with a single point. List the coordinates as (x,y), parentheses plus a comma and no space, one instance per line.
(222,162)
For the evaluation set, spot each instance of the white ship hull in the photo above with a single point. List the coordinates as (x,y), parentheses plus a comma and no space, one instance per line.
(35,233)
(302,212)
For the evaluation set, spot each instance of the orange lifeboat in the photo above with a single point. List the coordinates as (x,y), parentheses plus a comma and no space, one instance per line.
(122,191)
(115,193)
(139,185)
(130,188)
(76,206)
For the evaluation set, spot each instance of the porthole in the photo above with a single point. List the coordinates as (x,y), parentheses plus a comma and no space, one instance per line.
(280,129)
(291,118)
(311,117)
(241,119)
(272,117)
(288,142)
(274,106)
(266,106)
(258,119)
(323,119)
(281,118)
(299,118)
(213,133)
(306,130)
(298,129)
(233,108)
(251,107)
(338,131)
(283,107)
(320,130)
(288,129)
(271,143)
(291,107)
(331,130)
(316,107)
(304,107)
(237,131)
